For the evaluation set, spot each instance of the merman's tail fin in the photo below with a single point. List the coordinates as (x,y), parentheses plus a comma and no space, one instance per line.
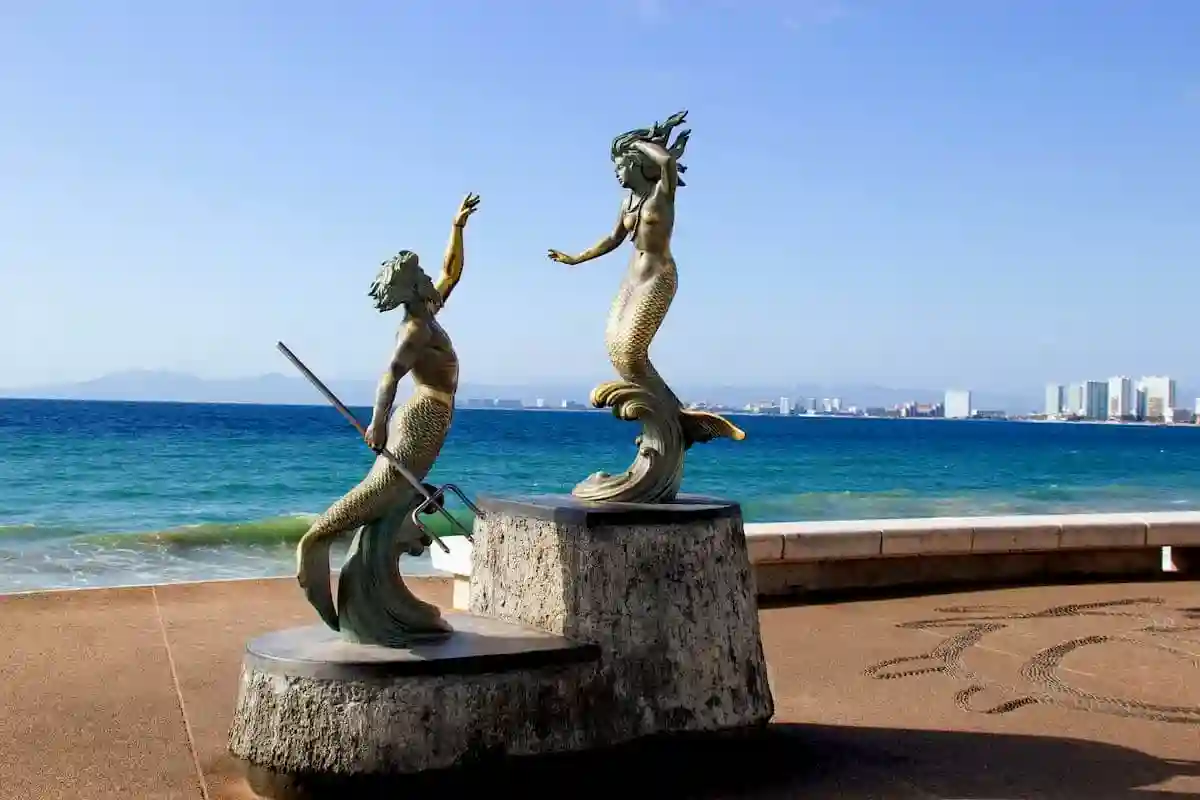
(704,426)
(313,574)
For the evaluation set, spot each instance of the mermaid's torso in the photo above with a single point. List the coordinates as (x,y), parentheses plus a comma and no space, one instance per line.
(646,292)
(650,223)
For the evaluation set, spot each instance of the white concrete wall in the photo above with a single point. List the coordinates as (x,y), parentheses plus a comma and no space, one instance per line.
(844,540)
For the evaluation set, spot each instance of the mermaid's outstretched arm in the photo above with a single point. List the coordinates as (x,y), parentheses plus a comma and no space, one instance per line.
(601,248)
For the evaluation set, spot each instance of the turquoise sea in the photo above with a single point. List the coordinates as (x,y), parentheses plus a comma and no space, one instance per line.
(95,494)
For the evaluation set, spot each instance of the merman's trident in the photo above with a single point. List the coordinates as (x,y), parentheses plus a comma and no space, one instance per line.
(434,500)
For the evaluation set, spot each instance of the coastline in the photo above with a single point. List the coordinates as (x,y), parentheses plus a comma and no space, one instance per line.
(181,492)
(768,543)
(585,408)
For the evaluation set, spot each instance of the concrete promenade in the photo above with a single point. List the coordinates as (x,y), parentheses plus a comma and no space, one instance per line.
(794,559)
(1083,691)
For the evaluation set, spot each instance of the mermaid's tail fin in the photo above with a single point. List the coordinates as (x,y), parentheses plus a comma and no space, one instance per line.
(630,400)
(704,426)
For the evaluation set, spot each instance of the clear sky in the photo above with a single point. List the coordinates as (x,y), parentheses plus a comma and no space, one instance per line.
(988,194)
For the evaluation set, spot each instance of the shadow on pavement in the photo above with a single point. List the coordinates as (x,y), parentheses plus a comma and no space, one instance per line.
(805,761)
(948,587)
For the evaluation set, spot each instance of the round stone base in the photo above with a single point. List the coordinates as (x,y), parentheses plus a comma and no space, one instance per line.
(311,703)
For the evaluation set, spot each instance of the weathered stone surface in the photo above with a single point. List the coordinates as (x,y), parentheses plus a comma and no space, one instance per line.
(592,625)
(666,593)
(311,703)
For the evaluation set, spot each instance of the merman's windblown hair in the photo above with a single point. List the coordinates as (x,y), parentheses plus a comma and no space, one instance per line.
(402,282)
(659,134)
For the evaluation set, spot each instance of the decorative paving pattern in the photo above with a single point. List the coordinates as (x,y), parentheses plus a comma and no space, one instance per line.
(1150,624)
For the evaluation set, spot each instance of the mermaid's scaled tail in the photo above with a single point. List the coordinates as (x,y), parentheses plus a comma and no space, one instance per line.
(633,322)
(641,394)
(704,426)
(697,426)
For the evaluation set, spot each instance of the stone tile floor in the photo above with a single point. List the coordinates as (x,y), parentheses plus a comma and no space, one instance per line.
(1086,691)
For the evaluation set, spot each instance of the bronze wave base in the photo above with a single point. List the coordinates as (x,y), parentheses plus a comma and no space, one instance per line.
(657,470)
(668,432)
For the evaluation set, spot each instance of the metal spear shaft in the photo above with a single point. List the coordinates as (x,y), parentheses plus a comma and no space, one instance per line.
(395,462)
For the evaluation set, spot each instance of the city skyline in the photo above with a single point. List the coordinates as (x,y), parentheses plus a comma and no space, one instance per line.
(158,384)
(879,400)
(1150,397)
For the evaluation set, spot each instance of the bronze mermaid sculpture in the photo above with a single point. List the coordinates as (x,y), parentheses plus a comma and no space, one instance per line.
(374,606)
(647,165)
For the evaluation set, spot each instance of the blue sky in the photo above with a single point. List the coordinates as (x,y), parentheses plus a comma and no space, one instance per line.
(911,192)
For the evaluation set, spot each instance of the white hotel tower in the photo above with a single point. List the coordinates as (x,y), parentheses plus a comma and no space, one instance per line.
(1122,399)
(957,404)
(1156,398)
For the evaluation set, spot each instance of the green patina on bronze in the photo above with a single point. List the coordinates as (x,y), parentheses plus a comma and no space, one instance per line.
(374,606)
(647,165)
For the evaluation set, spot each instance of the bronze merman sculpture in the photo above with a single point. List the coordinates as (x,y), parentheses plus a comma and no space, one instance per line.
(647,164)
(374,606)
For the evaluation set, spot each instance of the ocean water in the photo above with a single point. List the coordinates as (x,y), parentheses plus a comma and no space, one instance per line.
(95,494)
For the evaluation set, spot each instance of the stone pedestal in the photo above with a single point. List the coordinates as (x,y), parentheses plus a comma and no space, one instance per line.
(315,707)
(591,625)
(665,590)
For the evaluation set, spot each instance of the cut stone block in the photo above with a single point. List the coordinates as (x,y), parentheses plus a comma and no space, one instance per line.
(917,537)
(665,590)
(1102,531)
(1015,534)
(819,541)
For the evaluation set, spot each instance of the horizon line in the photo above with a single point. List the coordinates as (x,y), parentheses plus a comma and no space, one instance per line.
(757,385)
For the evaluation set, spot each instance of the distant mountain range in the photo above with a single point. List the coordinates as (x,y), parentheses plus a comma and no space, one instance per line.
(275,388)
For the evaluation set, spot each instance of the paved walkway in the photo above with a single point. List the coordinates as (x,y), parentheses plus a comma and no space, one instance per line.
(1065,692)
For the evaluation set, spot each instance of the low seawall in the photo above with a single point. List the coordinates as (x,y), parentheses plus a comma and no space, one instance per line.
(801,557)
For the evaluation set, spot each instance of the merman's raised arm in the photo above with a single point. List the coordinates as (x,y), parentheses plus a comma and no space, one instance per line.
(452,263)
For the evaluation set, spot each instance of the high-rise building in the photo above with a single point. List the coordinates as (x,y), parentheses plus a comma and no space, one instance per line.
(1054,399)
(1160,397)
(1076,402)
(957,404)
(1122,401)
(785,406)
(1095,400)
